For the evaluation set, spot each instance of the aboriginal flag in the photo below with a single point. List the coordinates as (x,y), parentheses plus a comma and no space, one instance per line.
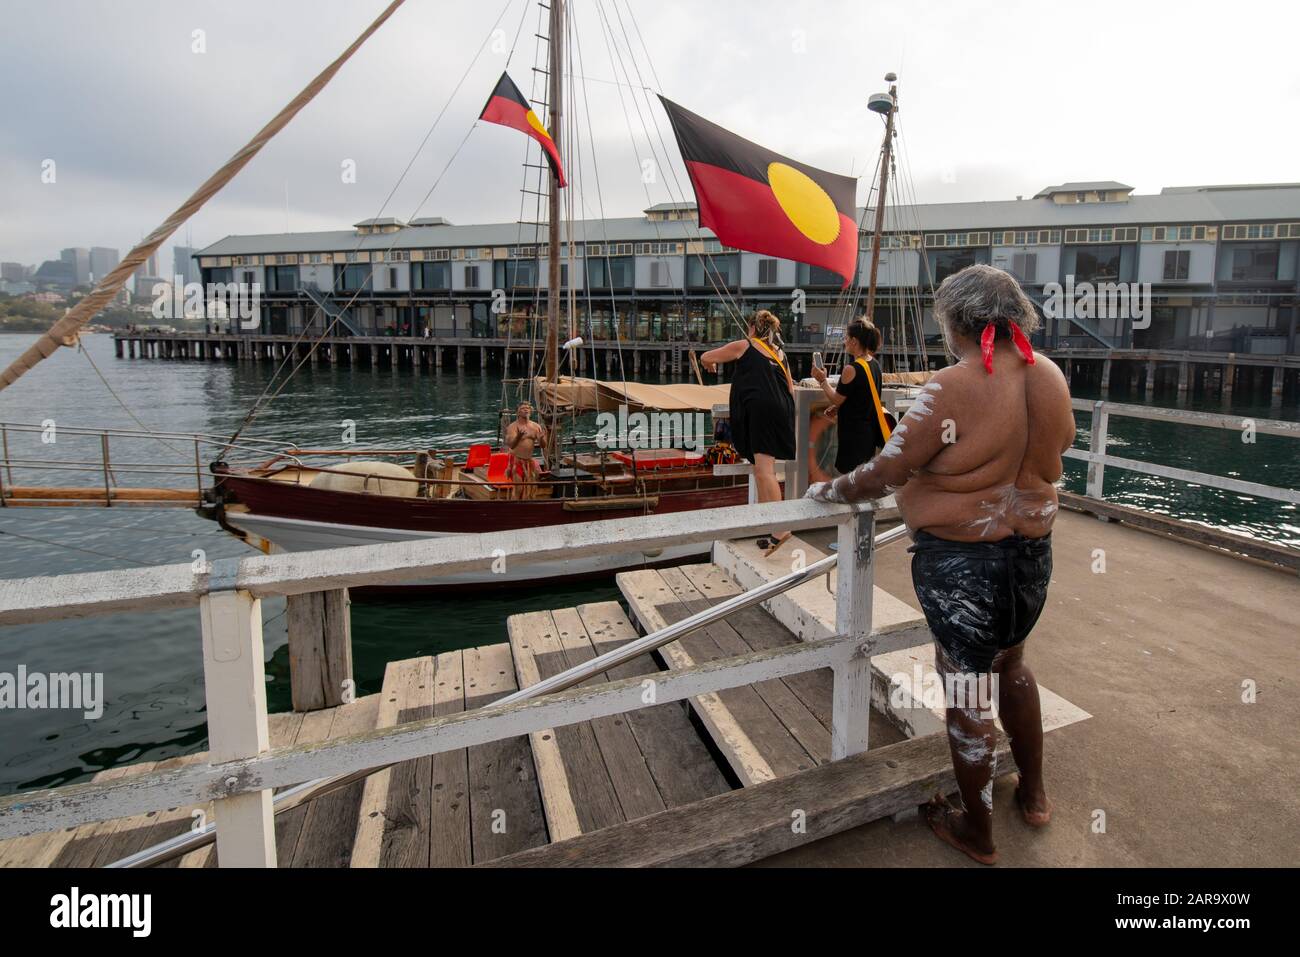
(508,107)
(763,202)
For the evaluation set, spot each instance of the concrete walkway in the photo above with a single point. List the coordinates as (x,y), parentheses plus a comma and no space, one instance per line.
(1157,649)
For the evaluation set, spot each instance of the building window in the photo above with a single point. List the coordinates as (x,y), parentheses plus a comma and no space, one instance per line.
(944,264)
(471,277)
(427,275)
(281,278)
(1095,263)
(392,277)
(1177,262)
(352,278)
(1024,266)
(659,274)
(515,274)
(1255,262)
(767,272)
(611,273)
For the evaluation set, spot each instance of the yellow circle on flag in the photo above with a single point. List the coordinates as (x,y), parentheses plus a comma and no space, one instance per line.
(807,205)
(536,124)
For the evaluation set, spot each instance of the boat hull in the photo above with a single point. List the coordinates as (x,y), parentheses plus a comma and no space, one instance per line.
(295,518)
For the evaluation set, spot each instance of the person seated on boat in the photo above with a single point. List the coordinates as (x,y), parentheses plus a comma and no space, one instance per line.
(974,465)
(523,436)
(762,406)
(855,401)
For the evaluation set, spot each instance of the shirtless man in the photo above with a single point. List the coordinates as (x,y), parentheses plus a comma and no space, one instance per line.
(974,465)
(522,437)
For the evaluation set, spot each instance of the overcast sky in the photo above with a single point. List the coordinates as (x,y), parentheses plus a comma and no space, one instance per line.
(998,98)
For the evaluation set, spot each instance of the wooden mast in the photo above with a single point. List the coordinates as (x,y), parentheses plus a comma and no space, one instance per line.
(556,74)
(886,155)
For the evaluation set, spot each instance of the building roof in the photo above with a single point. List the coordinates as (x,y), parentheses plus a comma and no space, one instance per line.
(1104,186)
(669,207)
(380,221)
(1177,205)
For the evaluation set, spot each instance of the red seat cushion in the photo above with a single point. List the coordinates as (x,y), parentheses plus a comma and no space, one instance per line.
(478,456)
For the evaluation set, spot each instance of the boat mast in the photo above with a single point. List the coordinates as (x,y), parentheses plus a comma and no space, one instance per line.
(556,73)
(888,104)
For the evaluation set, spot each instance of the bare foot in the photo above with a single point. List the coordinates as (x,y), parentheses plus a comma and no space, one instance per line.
(951,827)
(1037,812)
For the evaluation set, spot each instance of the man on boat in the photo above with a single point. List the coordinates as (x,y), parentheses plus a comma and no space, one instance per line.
(523,437)
(974,465)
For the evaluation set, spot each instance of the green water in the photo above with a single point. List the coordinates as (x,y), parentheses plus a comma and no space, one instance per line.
(152,664)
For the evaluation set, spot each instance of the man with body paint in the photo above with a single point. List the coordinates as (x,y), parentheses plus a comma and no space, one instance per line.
(974,465)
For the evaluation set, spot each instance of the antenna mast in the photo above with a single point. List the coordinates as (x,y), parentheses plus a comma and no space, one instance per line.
(886,103)
(556,74)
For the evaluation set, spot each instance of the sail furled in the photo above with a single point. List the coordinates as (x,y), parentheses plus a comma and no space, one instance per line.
(763,202)
(508,107)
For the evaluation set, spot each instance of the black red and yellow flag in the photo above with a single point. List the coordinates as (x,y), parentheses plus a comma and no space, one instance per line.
(508,107)
(763,202)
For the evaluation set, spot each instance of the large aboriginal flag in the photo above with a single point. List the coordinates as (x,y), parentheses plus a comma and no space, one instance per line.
(508,107)
(763,202)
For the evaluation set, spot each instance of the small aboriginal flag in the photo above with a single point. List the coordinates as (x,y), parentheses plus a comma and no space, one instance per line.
(763,202)
(508,107)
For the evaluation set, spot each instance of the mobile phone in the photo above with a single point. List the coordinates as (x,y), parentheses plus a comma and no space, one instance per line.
(818,361)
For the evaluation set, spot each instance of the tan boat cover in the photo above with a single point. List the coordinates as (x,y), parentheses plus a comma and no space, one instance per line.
(593,395)
(907,378)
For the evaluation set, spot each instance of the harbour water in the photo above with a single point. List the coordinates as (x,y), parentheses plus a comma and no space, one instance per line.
(151,663)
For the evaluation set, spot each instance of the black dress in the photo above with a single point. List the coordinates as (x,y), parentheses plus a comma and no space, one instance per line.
(762,408)
(859,426)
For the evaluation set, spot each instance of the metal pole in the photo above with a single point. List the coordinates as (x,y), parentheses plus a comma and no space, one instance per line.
(108,492)
(295,796)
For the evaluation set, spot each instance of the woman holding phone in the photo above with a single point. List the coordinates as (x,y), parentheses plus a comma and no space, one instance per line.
(856,402)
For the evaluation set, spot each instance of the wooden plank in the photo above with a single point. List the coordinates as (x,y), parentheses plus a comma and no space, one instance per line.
(506,813)
(316,726)
(557,799)
(329,829)
(747,825)
(449,812)
(683,768)
(594,799)
(367,847)
(633,784)
(755,741)
(762,632)
(813,738)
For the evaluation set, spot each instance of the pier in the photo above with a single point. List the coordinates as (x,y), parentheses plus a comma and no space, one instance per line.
(1180,373)
(691,722)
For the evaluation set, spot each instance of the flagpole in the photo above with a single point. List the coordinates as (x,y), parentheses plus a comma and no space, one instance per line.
(887,153)
(556,68)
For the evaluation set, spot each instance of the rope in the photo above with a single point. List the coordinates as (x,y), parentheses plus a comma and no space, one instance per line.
(65,331)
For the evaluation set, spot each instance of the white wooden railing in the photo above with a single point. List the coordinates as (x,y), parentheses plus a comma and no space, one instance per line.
(1098,458)
(242,771)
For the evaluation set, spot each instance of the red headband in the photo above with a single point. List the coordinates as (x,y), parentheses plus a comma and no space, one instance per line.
(986,344)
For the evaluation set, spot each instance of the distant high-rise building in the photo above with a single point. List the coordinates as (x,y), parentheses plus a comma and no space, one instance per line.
(13,272)
(56,272)
(79,257)
(184,264)
(102,261)
(146,276)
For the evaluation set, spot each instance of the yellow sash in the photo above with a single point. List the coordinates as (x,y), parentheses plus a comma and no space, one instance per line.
(875,396)
(764,347)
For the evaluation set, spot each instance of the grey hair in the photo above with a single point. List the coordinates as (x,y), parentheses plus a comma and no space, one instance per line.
(969,300)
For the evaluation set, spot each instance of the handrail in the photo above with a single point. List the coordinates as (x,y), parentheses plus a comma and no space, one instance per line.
(1214,420)
(298,795)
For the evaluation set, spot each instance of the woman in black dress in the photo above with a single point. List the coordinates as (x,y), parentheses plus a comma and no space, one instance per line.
(861,431)
(762,406)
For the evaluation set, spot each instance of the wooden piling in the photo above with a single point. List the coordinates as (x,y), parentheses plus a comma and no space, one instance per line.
(320,649)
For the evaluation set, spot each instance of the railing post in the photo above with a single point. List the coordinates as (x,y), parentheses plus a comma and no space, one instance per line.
(1097,446)
(234,680)
(851,697)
